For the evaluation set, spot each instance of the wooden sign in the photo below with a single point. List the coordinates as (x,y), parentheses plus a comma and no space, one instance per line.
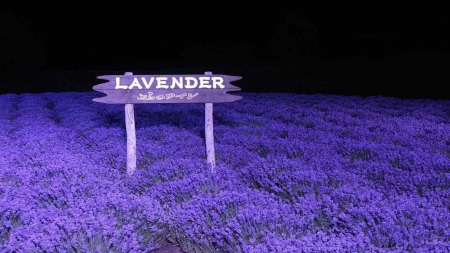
(132,89)
(135,89)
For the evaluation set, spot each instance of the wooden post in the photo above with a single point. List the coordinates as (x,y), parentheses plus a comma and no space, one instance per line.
(131,136)
(209,133)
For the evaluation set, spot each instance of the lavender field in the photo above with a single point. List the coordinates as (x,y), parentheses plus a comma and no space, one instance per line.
(295,173)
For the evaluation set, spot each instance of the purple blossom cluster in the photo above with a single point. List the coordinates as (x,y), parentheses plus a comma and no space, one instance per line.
(294,173)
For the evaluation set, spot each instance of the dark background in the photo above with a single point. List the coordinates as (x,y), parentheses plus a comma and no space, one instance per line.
(371,50)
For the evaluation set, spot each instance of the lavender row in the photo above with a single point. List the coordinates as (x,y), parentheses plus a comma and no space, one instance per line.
(311,173)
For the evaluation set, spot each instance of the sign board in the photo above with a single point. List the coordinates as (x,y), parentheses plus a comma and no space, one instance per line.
(135,89)
(132,89)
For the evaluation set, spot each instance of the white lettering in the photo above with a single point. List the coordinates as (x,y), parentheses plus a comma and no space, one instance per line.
(148,84)
(118,86)
(149,96)
(204,82)
(170,95)
(142,97)
(217,81)
(167,96)
(161,82)
(181,96)
(135,83)
(177,83)
(191,82)
(191,96)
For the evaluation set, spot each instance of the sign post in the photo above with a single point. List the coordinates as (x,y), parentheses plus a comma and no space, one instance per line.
(132,89)
(131,136)
(209,133)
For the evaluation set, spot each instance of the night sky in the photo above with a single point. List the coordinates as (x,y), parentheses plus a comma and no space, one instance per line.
(137,38)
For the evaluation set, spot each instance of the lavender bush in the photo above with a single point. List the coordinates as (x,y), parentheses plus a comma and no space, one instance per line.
(295,173)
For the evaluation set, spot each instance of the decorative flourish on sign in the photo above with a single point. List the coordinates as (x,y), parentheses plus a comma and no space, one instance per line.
(149,96)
